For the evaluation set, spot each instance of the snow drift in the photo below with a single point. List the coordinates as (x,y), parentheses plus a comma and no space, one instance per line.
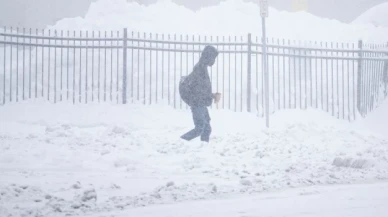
(375,16)
(231,17)
(61,159)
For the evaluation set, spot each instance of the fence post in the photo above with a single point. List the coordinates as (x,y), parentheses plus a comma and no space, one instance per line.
(125,66)
(359,83)
(249,77)
(385,73)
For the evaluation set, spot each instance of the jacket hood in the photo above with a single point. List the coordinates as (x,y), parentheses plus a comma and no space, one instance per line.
(208,55)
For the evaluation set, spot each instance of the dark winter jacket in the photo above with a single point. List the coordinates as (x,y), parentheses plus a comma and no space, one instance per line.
(201,87)
(196,88)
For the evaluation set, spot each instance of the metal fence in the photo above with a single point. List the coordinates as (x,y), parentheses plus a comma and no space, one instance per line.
(122,66)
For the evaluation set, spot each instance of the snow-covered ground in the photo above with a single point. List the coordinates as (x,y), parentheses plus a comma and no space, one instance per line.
(329,201)
(127,160)
(61,160)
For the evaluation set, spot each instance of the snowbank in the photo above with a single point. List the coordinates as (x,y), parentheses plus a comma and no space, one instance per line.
(61,159)
(231,17)
(377,121)
(376,16)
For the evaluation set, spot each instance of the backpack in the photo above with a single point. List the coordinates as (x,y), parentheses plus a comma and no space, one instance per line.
(185,89)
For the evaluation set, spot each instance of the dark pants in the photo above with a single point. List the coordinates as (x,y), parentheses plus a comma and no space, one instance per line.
(202,128)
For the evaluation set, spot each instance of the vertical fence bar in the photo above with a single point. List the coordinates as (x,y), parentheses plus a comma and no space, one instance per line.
(138,67)
(367,88)
(343,81)
(348,72)
(36,65)
(67,67)
(80,69)
(74,69)
(289,75)
(168,72)
(327,78)
(311,62)
(23,63)
(105,64)
(322,101)
(230,90)
(359,74)
(144,72)
(111,67)
(86,67)
(366,81)
(301,67)
(372,79)
(93,66)
(5,39)
(117,67)
(295,75)
(249,73)
(11,70)
(49,66)
(163,77)
(241,72)
(125,66)
(284,72)
(55,67)
(217,40)
(355,86)
(223,74)
(308,76)
(377,77)
(279,77)
(181,63)
(151,68)
(235,76)
(332,80)
(338,94)
(273,73)
(306,59)
(187,58)
(42,64)
(316,75)
(175,71)
(278,71)
(99,67)
(30,66)
(132,68)
(61,80)
(257,73)
(379,73)
(156,69)
(17,66)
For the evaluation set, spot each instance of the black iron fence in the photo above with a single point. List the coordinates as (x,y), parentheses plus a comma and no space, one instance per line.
(122,66)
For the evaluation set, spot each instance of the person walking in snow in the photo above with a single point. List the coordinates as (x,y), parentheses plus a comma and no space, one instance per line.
(196,91)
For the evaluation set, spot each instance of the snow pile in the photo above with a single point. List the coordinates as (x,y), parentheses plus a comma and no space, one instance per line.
(77,160)
(377,120)
(231,17)
(376,16)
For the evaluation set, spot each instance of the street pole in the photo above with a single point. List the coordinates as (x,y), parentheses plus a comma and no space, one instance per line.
(264,14)
(266,77)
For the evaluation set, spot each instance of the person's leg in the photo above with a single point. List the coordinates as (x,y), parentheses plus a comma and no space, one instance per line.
(198,118)
(205,136)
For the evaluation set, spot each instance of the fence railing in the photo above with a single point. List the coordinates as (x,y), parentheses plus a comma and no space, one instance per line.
(87,66)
